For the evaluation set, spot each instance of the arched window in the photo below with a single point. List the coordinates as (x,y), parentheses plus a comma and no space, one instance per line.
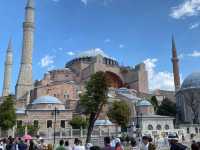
(49,123)
(188,130)
(150,127)
(196,130)
(158,127)
(166,127)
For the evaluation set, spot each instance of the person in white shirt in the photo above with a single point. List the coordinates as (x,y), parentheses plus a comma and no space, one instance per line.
(145,143)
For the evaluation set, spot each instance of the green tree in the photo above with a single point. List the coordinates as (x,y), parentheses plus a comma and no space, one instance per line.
(93,99)
(120,113)
(7,114)
(167,108)
(78,121)
(154,102)
(20,131)
(32,130)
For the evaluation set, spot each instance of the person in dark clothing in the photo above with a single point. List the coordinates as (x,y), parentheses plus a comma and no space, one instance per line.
(176,146)
(32,146)
(10,145)
(194,146)
(107,144)
(22,145)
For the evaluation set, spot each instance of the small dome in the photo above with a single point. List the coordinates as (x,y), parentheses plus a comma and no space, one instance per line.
(143,103)
(103,123)
(191,81)
(46,100)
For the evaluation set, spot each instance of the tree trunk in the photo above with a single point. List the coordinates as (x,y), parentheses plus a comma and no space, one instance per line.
(93,118)
(90,128)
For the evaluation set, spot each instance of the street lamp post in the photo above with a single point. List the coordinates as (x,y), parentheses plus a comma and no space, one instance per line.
(54,113)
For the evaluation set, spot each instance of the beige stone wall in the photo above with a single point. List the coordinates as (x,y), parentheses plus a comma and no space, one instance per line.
(42,116)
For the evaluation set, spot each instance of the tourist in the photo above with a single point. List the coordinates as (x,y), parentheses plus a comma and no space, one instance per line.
(151,145)
(22,145)
(76,144)
(61,145)
(67,147)
(145,143)
(174,145)
(94,148)
(134,145)
(81,146)
(194,146)
(118,146)
(88,146)
(49,147)
(1,145)
(107,144)
(198,143)
(42,145)
(32,145)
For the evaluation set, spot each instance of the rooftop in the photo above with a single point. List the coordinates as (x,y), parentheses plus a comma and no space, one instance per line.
(46,100)
(191,81)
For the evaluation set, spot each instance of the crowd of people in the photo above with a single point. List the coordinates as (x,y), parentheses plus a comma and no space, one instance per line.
(146,143)
(24,144)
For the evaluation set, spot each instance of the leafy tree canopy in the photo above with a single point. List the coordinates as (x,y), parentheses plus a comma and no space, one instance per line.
(167,108)
(94,98)
(78,121)
(120,113)
(154,102)
(7,113)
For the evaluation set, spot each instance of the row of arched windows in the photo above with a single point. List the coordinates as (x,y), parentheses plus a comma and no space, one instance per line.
(158,127)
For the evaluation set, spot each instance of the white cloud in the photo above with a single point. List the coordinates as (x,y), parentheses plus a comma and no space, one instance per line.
(186,9)
(85,2)
(158,80)
(104,2)
(108,40)
(47,61)
(121,46)
(70,53)
(60,48)
(181,56)
(195,54)
(193,26)
(55,0)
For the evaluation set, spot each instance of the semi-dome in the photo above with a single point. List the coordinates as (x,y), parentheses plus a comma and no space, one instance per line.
(143,103)
(46,100)
(191,81)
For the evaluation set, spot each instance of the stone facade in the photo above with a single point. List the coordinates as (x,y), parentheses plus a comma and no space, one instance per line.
(150,124)
(86,64)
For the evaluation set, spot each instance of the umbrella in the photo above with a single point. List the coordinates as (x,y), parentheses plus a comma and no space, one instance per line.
(27,137)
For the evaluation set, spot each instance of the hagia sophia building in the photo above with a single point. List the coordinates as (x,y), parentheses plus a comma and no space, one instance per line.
(60,88)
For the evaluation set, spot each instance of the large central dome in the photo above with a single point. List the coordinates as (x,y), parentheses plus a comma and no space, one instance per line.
(192,81)
(93,53)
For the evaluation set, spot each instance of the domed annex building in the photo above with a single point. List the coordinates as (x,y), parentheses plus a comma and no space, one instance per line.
(151,124)
(58,91)
(188,103)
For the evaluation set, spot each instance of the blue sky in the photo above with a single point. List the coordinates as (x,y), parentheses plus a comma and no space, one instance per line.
(132,31)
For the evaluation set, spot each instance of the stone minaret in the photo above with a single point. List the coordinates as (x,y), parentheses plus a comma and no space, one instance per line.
(8,70)
(25,81)
(175,63)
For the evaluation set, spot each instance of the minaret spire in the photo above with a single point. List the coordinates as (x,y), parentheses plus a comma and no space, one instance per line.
(8,70)
(175,63)
(25,81)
